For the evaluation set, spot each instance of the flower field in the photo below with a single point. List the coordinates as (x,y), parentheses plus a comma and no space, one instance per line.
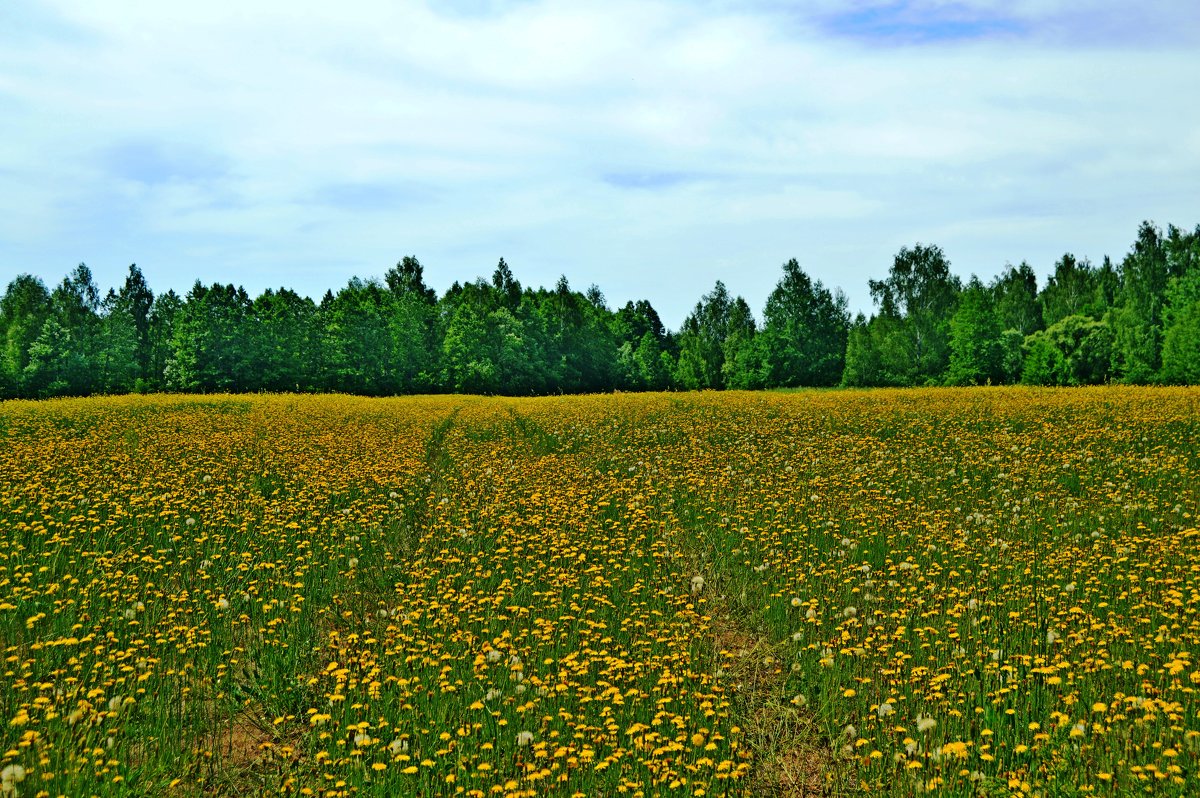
(961,592)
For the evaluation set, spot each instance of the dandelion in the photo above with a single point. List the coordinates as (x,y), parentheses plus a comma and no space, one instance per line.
(796,601)
(1051,636)
(925,724)
(189,521)
(10,777)
(810,614)
(850,612)
(352,562)
(800,700)
(524,738)
(885,709)
(850,731)
(493,655)
(222,603)
(697,584)
(362,739)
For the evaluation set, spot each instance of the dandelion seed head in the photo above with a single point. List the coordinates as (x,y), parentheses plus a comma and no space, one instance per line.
(10,777)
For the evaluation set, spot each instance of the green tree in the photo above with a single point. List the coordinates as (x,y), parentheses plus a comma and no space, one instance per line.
(879,352)
(1181,337)
(1015,298)
(286,345)
(56,362)
(208,349)
(135,301)
(24,309)
(1075,350)
(975,355)
(407,278)
(1137,320)
(488,347)
(74,304)
(118,366)
(507,288)
(358,342)
(922,294)
(701,339)
(1070,291)
(161,333)
(640,338)
(805,330)
(413,324)
(743,364)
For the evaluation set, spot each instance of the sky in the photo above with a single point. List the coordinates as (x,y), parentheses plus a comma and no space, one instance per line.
(651,147)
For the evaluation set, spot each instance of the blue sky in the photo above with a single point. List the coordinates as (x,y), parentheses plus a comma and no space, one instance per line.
(651,147)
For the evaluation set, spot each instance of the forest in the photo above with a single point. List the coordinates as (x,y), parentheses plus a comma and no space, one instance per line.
(1136,321)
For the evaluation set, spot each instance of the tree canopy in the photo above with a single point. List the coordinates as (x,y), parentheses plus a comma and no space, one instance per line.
(1135,321)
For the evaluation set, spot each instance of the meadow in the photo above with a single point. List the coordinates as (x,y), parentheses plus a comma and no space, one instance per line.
(961,592)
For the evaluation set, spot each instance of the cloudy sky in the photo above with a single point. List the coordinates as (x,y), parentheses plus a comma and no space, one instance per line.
(649,146)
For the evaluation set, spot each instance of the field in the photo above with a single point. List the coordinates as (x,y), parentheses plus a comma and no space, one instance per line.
(967,592)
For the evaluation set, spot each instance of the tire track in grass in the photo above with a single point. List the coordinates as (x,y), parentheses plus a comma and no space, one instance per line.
(791,755)
(252,751)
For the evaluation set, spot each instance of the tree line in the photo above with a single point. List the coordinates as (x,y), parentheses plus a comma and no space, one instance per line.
(1137,321)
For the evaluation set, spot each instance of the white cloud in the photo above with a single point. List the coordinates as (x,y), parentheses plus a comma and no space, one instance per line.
(651,147)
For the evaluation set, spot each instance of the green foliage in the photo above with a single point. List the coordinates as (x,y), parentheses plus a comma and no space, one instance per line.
(879,353)
(975,355)
(1137,323)
(118,360)
(920,294)
(743,366)
(1070,291)
(1012,355)
(701,342)
(23,310)
(1181,339)
(1015,298)
(805,330)
(1074,351)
